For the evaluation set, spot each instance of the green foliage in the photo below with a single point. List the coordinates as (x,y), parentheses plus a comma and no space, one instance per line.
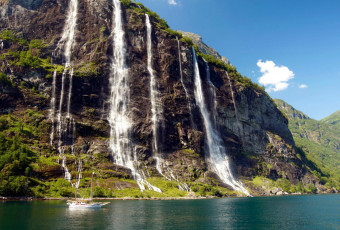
(245,81)
(13,38)
(311,188)
(61,188)
(317,143)
(187,40)
(173,33)
(15,160)
(86,70)
(284,184)
(205,190)
(3,124)
(15,186)
(4,80)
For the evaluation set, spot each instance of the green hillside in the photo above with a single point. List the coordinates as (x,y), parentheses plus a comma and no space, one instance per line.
(319,140)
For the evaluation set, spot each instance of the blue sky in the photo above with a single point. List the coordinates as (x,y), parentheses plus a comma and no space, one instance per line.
(296,44)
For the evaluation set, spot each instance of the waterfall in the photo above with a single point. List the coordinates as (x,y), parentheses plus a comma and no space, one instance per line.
(232,95)
(67,40)
(182,82)
(69,94)
(216,156)
(156,109)
(156,104)
(80,168)
(53,100)
(65,44)
(181,71)
(120,124)
(212,102)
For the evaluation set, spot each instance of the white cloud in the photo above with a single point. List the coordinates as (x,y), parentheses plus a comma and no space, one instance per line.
(303,86)
(172,2)
(274,77)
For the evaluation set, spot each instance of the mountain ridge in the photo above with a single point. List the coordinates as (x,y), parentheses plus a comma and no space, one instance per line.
(320,139)
(252,130)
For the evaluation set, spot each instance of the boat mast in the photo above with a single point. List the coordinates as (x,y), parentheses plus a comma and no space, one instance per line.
(92,186)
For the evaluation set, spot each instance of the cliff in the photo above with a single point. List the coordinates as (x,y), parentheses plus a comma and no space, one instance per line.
(62,106)
(318,140)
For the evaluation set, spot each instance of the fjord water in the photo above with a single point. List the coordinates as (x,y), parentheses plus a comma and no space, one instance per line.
(287,212)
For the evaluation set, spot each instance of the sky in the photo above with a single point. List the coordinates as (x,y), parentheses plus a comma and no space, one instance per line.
(292,47)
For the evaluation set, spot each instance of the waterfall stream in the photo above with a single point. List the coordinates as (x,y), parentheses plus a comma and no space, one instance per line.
(216,156)
(65,124)
(182,82)
(156,104)
(53,103)
(120,124)
(232,95)
(157,112)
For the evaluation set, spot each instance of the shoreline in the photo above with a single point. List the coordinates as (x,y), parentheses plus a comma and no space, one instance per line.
(145,198)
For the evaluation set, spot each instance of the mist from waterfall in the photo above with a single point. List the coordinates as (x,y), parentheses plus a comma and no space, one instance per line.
(216,156)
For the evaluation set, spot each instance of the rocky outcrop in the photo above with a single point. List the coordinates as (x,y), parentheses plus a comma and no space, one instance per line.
(197,39)
(252,128)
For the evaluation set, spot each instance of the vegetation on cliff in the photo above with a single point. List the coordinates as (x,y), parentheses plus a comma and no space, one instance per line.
(318,142)
(30,166)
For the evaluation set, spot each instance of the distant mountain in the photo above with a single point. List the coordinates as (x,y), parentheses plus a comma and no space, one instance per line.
(197,39)
(333,120)
(320,140)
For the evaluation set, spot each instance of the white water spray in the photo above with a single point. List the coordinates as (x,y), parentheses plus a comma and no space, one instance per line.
(232,95)
(156,104)
(69,94)
(65,44)
(182,82)
(216,157)
(67,40)
(53,104)
(181,71)
(120,124)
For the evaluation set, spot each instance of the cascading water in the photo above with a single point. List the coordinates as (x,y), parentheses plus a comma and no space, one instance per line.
(181,71)
(216,157)
(65,44)
(232,95)
(182,82)
(156,104)
(69,94)
(67,39)
(80,168)
(53,100)
(120,124)
(156,111)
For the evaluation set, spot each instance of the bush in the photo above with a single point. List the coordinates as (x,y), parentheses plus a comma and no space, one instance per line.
(187,40)
(15,186)
(284,184)
(311,188)
(4,80)
(3,124)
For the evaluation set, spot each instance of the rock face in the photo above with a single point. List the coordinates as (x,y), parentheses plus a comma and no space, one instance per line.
(254,131)
(197,39)
(319,139)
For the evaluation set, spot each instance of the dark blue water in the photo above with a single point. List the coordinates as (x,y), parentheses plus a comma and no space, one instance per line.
(288,212)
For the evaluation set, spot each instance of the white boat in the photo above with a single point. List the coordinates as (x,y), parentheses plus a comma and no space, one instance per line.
(85,204)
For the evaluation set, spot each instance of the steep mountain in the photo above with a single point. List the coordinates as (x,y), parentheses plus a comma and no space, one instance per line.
(107,87)
(204,48)
(333,120)
(320,140)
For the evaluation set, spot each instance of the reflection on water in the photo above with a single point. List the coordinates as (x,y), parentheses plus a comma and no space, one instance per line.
(290,212)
